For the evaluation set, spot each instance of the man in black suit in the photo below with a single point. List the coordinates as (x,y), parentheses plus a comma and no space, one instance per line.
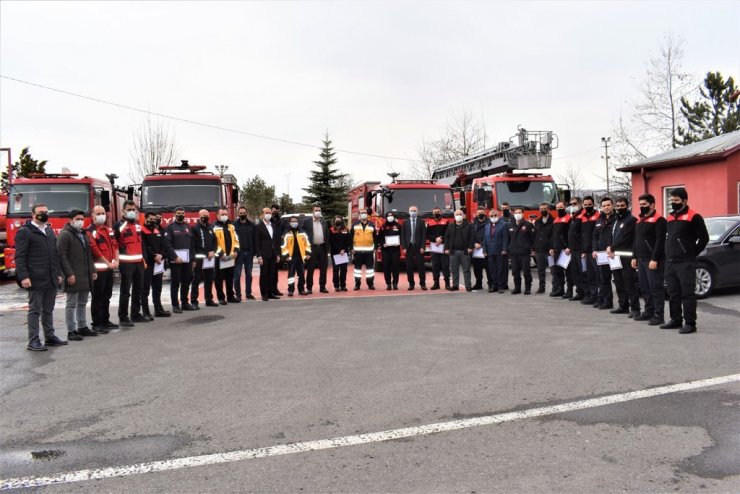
(413,241)
(318,234)
(267,248)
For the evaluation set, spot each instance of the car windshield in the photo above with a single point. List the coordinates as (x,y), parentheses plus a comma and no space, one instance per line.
(59,198)
(424,199)
(191,194)
(526,194)
(718,227)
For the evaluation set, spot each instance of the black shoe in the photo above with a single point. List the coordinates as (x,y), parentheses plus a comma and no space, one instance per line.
(357,287)
(74,336)
(454,288)
(344,289)
(337,289)
(577,298)
(435,286)
(588,301)
(195,305)
(139,318)
(290,294)
(477,287)
(222,302)
(371,287)
(322,290)
(86,332)
(36,346)
(656,321)
(302,292)
(308,291)
(567,296)
(110,325)
(423,288)
(528,292)
(161,312)
(279,293)
(606,307)
(634,314)
(274,297)
(55,341)
(395,287)
(516,291)
(501,290)
(148,316)
(410,288)
(233,300)
(250,297)
(686,329)
(388,287)
(671,325)
(619,310)
(491,290)
(643,317)
(176,309)
(100,329)
(557,294)
(125,322)
(211,303)
(541,290)
(265,299)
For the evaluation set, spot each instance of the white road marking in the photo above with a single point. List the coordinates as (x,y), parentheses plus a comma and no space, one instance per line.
(338,442)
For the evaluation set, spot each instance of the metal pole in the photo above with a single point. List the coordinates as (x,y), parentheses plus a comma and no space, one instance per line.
(606,140)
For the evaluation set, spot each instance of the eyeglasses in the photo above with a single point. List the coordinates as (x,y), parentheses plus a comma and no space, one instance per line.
(574,204)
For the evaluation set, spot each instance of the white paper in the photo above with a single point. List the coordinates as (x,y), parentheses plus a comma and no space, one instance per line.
(584,268)
(602,259)
(563,260)
(437,249)
(341,259)
(392,240)
(209,263)
(478,253)
(615,263)
(183,254)
(158,268)
(550,261)
(226,264)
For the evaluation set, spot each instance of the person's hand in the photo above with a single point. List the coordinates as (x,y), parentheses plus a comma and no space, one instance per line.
(403,252)
(470,251)
(385,245)
(193,264)
(447,252)
(438,240)
(59,280)
(608,250)
(277,258)
(421,251)
(308,257)
(71,280)
(594,255)
(342,252)
(95,276)
(178,260)
(567,251)
(259,261)
(477,245)
(653,265)
(634,263)
(26,283)
(158,258)
(552,252)
(211,255)
(111,265)
(224,258)
(503,252)
(610,254)
(288,259)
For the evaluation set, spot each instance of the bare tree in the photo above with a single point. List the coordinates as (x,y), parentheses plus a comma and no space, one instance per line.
(573,178)
(463,135)
(154,146)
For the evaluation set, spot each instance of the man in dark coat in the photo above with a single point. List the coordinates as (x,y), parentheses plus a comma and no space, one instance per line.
(37,270)
(318,233)
(413,242)
(480,264)
(459,244)
(76,261)
(267,248)
(521,240)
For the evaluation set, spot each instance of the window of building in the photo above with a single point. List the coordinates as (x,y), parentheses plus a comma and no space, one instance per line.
(667,197)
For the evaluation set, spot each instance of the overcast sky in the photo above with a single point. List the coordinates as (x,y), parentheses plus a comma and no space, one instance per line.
(379,76)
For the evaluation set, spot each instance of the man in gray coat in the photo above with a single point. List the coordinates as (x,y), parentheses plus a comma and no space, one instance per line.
(37,270)
(76,261)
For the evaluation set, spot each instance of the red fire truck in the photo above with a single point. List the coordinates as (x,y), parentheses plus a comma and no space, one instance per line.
(190,187)
(3,233)
(487,179)
(61,192)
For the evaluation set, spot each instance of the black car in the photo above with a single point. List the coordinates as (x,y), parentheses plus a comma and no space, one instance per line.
(719,263)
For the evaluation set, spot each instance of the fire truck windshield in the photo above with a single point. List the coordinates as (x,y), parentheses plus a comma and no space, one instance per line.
(424,199)
(60,198)
(190,194)
(526,194)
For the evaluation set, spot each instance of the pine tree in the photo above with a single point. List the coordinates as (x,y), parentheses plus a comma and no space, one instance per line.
(715,114)
(327,185)
(24,167)
(256,194)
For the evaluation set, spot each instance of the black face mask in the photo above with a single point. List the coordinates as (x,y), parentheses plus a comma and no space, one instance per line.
(621,212)
(437,216)
(590,210)
(644,210)
(545,213)
(151,223)
(204,219)
(242,217)
(337,223)
(481,217)
(158,221)
(275,215)
(179,218)
(43,217)
(561,213)
(677,206)
(507,213)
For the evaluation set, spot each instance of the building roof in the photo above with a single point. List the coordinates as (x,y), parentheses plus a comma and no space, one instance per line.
(709,149)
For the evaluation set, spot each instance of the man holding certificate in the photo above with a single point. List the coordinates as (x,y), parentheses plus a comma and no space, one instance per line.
(297,250)
(413,241)
(340,243)
(179,240)
(601,240)
(623,242)
(389,239)
(227,247)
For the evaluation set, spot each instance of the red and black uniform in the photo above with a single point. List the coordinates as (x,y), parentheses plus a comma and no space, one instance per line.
(391,253)
(179,244)
(436,227)
(542,239)
(588,221)
(625,279)
(602,238)
(153,246)
(575,268)
(340,239)
(650,246)
(521,241)
(686,237)
(131,265)
(104,250)
(558,243)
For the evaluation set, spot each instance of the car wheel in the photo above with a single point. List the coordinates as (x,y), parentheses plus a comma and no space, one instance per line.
(704,281)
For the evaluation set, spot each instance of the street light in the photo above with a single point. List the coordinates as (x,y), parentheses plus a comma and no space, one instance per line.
(221,169)
(605,141)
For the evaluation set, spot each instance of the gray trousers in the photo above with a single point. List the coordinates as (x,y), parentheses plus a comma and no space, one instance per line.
(41,307)
(458,258)
(74,310)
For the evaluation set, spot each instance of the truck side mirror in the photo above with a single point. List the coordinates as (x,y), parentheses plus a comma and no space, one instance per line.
(566,196)
(105,200)
(130,193)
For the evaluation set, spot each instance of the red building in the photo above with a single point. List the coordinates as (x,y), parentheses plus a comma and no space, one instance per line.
(709,170)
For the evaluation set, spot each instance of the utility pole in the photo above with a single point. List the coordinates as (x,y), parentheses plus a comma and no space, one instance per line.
(606,140)
(221,169)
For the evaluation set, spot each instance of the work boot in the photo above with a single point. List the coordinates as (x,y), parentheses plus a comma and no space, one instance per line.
(86,331)
(435,286)
(139,318)
(672,324)
(160,312)
(687,328)
(74,336)
(357,287)
(656,321)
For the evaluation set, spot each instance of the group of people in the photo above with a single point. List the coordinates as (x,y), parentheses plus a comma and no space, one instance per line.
(585,249)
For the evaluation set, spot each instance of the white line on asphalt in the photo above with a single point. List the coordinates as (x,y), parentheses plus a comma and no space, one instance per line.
(338,442)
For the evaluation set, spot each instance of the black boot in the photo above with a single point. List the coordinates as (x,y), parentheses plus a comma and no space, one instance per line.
(160,312)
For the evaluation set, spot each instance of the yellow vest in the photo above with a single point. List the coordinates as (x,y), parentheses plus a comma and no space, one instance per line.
(221,242)
(304,246)
(363,239)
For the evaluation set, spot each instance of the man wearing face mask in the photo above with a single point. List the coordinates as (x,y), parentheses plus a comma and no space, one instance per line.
(591,276)
(245,257)
(413,242)
(363,250)
(154,253)
(623,241)
(558,244)
(575,268)
(37,270)
(279,227)
(318,233)
(267,248)
(508,217)
(506,212)
(601,240)
(389,239)
(179,242)
(436,228)
(340,243)
(459,245)
(131,257)
(649,260)
(480,264)
(105,254)
(542,240)
(78,267)
(686,237)
(227,245)
(204,247)
(297,249)
(495,247)
(521,235)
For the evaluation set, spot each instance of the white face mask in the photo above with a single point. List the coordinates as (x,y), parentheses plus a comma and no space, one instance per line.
(518,216)
(99,219)
(391,219)
(77,224)
(363,216)
(412,214)
(131,215)
(494,219)
(458,218)
(224,219)
(267,216)
(317,214)
(294,225)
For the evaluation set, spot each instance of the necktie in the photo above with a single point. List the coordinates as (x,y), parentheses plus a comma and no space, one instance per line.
(413,229)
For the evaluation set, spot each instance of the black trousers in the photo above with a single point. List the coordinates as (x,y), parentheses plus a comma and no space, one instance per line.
(205,275)
(505,271)
(625,280)
(592,277)
(542,267)
(577,276)
(154,284)
(339,274)
(224,277)
(606,295)
(558,275)
(319,257)
(480,264)
(268,273)
(680,280)
(295,270)
(441,265)
(180,277)
(499,271)
(367,259)
(415,259)
(520,264)
(132,278)
(391,265)
(652,288)
(101,294)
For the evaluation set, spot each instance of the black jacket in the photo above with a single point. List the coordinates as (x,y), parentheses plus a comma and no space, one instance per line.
(574,232)
(587,231)
(152,243)
(75,258)
(603,232)
(340,239)
(437,228)
(204,240)
(650,237)
(560,229)
(521,238)
(459,237)
(623,233)
(388,230)
(264,246)
(479,229)
(245,234)
(178,236)
(420,235)
(686,235)
(542,234)
(36,257)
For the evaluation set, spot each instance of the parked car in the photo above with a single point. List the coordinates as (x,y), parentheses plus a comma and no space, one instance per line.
(719,263)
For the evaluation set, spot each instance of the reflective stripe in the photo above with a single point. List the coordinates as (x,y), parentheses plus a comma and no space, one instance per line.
(126,257)
(200,256)
(358,272)
(623,253)
(370,272)
(291,280)
(101,266)
(364,249)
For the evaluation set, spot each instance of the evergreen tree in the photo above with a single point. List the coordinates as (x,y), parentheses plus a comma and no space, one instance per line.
(715,114)
(24,167)
(256,194)
(327,187)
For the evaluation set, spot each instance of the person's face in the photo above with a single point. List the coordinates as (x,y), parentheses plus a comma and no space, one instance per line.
(621,206)
(677,200)
(413,209)
(436,211)
(242,212)
(79,217)
(588,203)
(574,204)
(560,206)
(129,208)
(644,204)
(274,211)
(607,207)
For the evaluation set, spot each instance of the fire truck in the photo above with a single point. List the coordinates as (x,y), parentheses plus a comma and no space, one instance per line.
(3,233)
(493,176)
(190,187)
(61,192)
(398,196)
